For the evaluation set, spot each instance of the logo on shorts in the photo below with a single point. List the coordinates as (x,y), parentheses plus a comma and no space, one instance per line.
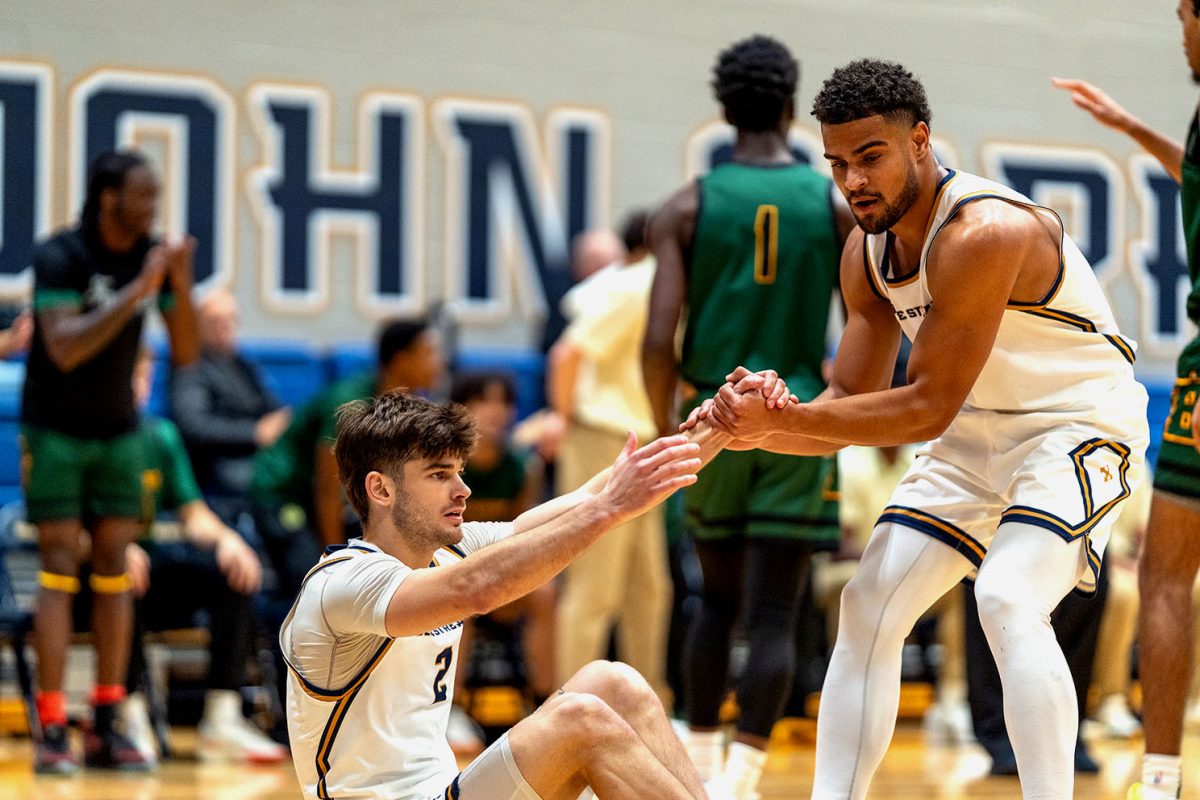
(1106,471)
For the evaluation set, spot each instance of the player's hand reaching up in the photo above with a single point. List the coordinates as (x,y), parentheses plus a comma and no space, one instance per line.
(643,477)
(1093,100)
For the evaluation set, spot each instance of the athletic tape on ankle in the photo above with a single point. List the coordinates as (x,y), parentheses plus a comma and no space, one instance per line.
(67,584)
(109,584)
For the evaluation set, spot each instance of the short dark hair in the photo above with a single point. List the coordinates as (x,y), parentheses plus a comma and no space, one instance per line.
(868,87)
(755,80)
(384,433)
(633,230)
(398,335)
(107,171)
(474,386)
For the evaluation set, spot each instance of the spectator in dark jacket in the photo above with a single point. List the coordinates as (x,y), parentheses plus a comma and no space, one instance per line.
(222,406)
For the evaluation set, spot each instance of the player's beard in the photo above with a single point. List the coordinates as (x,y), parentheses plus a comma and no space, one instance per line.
(892,212)
(416,526)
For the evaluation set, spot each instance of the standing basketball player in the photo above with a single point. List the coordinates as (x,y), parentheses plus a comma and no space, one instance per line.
(751,249)
(82,455)
(1171,555)
(1024,388)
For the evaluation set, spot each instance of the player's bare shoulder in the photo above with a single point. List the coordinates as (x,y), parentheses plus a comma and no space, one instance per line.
(1000,236)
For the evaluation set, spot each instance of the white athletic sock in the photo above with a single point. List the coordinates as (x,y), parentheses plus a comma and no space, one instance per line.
(705,748)
(1160,776)
(743,768)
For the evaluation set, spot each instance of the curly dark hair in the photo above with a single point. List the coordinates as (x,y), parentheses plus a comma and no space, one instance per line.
(867,87)
(755,80)
(385,432)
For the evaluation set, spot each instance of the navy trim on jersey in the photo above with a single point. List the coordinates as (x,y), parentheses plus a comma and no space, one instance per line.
(1122,346)
(945,532)
(337,715)
(1058,315)
(870,268)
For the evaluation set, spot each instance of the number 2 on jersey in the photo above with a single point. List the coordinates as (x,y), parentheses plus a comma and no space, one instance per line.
(445,658)
(766,244)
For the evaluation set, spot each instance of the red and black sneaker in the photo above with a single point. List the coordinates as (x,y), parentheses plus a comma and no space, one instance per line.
(52,755)
(112,750)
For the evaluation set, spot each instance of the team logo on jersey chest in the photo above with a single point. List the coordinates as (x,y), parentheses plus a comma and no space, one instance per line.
(912,313)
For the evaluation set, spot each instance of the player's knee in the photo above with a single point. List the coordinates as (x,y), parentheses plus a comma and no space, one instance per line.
(61,562)
(586,720)
(1002,608)
(108,559)
(1165,578)
(619,685)
(860,598)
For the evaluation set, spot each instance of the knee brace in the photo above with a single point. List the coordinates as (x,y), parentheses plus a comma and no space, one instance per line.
(109,584)
(67,584)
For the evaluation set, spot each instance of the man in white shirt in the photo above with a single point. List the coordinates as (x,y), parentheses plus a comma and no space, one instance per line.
(371,639)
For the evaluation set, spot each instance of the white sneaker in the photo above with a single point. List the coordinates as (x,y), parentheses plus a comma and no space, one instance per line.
(465,736)
(1116,718)
(135,719)
(225,735)
(238,742)
(949,723)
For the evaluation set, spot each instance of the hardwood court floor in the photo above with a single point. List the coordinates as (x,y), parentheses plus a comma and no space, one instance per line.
(911,770)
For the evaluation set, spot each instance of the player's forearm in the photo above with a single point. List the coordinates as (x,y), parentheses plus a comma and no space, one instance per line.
(72,339)
(710,439)
(660,375)
(182,329)
(201,526)
(1168,151)
(516,566)
(876,419)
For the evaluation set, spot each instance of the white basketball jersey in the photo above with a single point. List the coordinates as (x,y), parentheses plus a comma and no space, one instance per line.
(1059,353)
(367,714)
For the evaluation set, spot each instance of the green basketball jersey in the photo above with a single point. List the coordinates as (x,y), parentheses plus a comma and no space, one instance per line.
(764,262)
(1190,200)
(1189,359)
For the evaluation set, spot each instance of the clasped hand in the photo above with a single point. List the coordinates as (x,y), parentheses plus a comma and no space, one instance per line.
(745,406)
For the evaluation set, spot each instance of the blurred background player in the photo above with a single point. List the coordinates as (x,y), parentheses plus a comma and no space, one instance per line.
(751,250)
(595,388)
(82,455)
(1171,556)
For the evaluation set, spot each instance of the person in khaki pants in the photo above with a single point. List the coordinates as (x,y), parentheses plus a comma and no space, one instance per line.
(595,389)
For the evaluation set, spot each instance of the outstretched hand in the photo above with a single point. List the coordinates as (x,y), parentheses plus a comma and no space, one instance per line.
(643,477)
(1107,112)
